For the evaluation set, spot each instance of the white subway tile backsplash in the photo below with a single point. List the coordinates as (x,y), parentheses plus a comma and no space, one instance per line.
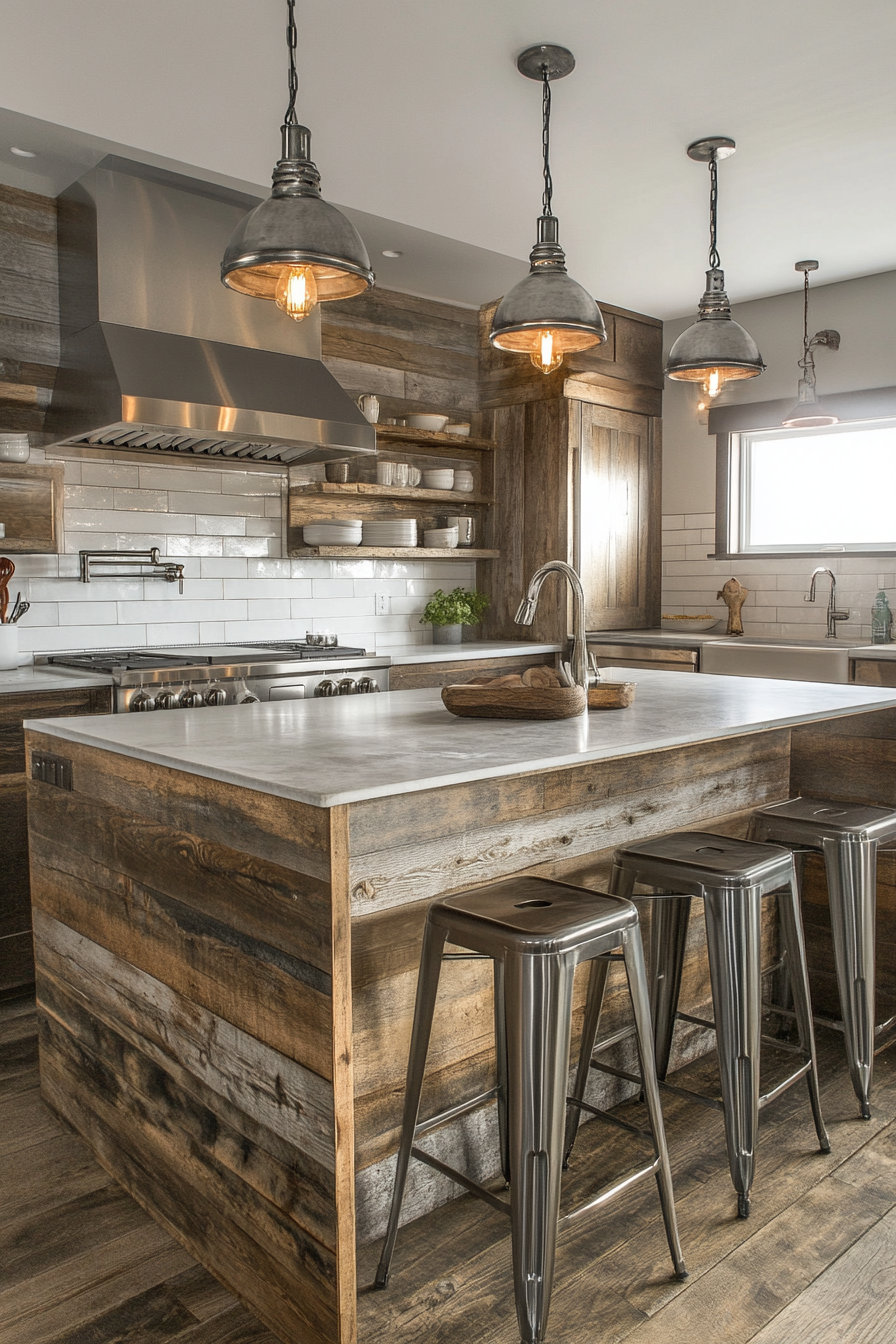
(170,633)
(282,588)
(89,497)
(234,568)
(191,546)
(269,609)
(332,588)
(108,473)
(264,527)
(252,546)
(180,478)
(216,526)
(269,569)
(252,483)
(146,501)
(236,506)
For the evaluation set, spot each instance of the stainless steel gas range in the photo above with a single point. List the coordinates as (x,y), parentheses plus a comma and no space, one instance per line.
(216,675)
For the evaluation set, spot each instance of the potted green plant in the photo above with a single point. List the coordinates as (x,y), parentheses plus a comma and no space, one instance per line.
(448,613)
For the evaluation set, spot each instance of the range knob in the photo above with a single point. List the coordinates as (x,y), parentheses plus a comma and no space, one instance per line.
(366,686)
(326,687)
(141,703)
(248,699)
(191,698)
(216,696)
(347,686)
(168,699)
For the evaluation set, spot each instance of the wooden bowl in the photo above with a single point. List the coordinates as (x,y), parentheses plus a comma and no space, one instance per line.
(514,702)
(611,695)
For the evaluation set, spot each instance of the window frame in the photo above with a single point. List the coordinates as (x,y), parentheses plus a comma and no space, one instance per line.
(730,423)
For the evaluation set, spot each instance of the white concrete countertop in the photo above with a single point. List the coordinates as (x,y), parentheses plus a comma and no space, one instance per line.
(30,678)
(885,651)
(451,653)
(674,639)
(342,750)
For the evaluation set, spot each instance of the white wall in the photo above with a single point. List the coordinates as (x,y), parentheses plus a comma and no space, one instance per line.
(864,312)
(227,528)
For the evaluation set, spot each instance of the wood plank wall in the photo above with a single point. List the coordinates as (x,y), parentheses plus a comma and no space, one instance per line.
(29,308)
(188,942)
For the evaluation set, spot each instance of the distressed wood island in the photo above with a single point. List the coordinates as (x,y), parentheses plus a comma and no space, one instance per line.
(227,914)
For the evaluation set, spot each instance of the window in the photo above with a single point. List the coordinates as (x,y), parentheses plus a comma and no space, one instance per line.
(813,490)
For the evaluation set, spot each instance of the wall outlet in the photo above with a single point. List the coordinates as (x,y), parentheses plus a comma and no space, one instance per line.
(382,604)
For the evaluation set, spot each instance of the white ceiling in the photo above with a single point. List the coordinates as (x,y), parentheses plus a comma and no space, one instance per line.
(420,117)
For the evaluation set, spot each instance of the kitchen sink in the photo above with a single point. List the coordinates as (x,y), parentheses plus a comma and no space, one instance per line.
(786,659)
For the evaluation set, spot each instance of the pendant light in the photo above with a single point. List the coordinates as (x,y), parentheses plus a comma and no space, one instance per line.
(716,349)
(295,248)
(807,413)
(547,315)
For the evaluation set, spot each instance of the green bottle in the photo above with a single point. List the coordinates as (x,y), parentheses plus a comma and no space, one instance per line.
(881,619)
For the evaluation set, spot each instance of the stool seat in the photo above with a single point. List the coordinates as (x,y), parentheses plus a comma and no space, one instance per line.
(731,876)
(848,836)
(536,932)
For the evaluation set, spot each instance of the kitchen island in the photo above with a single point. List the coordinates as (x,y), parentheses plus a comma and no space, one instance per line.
(228,911)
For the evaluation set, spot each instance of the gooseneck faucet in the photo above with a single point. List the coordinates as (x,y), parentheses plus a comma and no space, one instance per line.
(527,608)
(833,614)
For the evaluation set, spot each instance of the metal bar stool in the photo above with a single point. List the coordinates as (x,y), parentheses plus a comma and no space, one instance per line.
(847,836)
(731,876)
(536,933)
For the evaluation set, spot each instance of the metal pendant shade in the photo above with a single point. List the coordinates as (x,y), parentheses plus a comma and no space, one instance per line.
(716,349)
(296,235)
(548,314)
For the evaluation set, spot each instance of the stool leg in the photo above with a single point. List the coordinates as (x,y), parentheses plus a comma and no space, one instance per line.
(733,942)
(427,988)
(669,918)
(637,987)
(851,868)
(597,982)
(501,1067)
(790,915)
(538,999)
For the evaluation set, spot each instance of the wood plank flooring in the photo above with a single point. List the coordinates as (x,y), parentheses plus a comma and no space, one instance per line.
(80,1263)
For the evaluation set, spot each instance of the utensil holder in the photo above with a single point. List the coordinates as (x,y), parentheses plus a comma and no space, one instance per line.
(9,648)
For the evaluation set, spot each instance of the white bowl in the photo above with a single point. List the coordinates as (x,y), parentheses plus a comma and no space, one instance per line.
(463,480)
(440,479)
(462,431)
(433,422)
(444,537)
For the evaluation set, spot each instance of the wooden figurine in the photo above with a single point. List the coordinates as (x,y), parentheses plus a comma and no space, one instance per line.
(734,595)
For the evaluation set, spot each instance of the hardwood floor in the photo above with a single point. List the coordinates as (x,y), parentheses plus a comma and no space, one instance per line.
(80,1263)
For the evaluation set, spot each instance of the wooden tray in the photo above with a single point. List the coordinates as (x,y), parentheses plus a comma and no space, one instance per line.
(514,702)
(611,695)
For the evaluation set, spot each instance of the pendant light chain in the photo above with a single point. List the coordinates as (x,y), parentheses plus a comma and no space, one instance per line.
(291,41)
(546,141)
(714,261)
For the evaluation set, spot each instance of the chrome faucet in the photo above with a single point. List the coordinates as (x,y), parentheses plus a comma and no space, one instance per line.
(833,614)
(527,608)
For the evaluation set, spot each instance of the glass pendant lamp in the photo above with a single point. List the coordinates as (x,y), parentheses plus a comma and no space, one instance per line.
(716,349)
(547,315)
(295,248)
(807,413)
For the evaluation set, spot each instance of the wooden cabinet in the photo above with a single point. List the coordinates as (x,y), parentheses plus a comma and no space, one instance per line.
(312,498)
(16,955)
(31,507)
(421,676)
(873,671)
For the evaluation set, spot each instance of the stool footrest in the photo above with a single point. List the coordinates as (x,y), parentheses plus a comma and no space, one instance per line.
(454,1112)
(610,1191)
(697,1021)
(617,1073)
(473,1186)
(834,1023)
(689,1094)
(776,1091)
(609,1117)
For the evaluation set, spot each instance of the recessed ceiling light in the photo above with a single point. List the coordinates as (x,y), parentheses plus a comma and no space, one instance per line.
(23,153)
(392,252)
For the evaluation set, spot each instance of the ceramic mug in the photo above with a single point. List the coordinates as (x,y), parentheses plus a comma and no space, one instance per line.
(369,407)
(414,474)
(400,473)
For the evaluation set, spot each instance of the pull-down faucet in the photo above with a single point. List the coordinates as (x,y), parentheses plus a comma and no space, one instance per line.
(833,614)
(527,608)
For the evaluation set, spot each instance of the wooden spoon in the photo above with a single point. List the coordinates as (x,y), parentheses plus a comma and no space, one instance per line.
(7,569)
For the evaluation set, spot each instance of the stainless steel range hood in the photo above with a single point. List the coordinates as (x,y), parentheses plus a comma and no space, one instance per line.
(158,356)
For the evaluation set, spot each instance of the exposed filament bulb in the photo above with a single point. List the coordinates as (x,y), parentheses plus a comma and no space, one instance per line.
(544,356)
(714,382)
(296,291)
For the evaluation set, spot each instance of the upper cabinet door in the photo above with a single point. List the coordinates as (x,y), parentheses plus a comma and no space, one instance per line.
(617,519)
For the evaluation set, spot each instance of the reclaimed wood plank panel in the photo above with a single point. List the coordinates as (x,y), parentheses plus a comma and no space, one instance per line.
(277,830)
(419,676)
(343,1077)
(256,899)
(426,321)
(850,768)
(248,983)
(284,1096)
(482,854)
(43,705)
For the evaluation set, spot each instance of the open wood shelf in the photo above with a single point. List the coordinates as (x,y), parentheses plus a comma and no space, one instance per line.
(369,489)
(395,552)
(428,441)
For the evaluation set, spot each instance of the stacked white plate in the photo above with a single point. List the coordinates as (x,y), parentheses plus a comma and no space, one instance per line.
(333,532)
(389,532)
